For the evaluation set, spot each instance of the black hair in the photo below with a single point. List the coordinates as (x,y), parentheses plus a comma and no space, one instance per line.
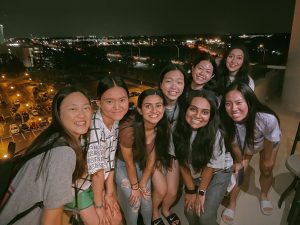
(254,106)
(162,138)
(56,130)
(203,144)
(107,82)
(243,73)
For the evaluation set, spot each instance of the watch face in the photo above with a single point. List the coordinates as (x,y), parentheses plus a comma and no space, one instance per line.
(201,192)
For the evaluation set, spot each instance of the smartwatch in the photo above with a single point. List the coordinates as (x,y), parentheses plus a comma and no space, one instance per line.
(201,192)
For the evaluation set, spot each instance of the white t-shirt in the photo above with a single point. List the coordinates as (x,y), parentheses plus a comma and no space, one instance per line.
(221,160)
(266,127)
(251,82)
(102,145)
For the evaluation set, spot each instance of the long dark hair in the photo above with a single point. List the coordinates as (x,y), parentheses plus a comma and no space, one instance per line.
(162,138)
(243,73)
(107,82)
(56,131)
(203,144)
(254,106)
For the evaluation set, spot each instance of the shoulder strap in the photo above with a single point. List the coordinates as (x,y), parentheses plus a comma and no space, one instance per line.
(24,213)
(24,159)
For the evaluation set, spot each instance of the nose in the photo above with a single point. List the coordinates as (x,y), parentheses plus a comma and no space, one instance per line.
(233,107)
(116,105)
(154,109)
(81,113)
(198,115)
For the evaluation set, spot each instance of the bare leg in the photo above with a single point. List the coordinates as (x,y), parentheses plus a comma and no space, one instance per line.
(159,191)
(89,216)
(172,188)
(266,175)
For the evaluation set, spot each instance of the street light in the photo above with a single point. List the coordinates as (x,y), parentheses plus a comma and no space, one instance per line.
(261,46)
(177,51)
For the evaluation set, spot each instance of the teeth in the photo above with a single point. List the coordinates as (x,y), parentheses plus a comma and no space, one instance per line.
(195,121)
(80,123)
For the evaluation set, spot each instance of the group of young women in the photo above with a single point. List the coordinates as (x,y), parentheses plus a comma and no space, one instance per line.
(203,128)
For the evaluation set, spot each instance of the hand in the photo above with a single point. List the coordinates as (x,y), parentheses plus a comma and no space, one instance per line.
(238,166)
(146,193)
(111,203)
(134,197)
(103,218)
(190,201)
(199,204)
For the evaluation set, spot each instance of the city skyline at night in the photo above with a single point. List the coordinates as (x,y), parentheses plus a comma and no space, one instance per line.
(115,18)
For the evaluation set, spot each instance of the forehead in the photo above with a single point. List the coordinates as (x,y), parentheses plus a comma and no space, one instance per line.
(200,103)
(234,95)
(205,63)
(173,74)
(114,92)
(75,98)
(151,99)
(237,52)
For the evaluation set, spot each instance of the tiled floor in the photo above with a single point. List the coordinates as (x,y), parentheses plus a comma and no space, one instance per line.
(248,211)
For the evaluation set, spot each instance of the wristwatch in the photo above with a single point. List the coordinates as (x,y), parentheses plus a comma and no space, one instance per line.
(201,192)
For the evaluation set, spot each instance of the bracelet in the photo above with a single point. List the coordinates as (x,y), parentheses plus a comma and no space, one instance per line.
(98,206)
(134,184)
(201,192)
(191,192)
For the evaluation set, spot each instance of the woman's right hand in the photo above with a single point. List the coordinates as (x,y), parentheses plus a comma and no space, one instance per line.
(190,200)
(134,197)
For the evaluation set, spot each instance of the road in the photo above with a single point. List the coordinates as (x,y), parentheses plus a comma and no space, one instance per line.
(21,89)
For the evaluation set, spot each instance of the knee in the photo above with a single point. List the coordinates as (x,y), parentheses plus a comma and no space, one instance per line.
(266,170)
(125,183)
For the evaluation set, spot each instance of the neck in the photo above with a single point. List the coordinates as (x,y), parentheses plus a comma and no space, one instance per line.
(195,86)
(108,122)
(171,103)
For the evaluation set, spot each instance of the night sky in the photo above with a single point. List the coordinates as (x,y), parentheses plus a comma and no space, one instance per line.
(23,18)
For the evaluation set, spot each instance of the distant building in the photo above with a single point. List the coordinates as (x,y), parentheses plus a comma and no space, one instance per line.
(1,34)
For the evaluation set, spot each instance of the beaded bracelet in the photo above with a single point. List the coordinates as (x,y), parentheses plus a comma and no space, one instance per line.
(98,206)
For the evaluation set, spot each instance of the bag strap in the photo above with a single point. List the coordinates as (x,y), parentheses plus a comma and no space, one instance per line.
(24,159)
(24,213)
(77,190)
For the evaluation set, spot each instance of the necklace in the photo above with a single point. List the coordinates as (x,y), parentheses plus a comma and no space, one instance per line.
(171,120)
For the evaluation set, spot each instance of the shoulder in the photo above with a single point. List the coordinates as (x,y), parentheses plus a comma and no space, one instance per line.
(126,133)
(65,153)
(265,118)
(97,121)
(266,121)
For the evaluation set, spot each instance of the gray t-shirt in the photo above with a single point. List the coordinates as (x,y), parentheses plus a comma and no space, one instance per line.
(53,186)
(266,127)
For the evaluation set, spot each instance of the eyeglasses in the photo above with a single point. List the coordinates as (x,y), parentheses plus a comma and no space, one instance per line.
(204,71)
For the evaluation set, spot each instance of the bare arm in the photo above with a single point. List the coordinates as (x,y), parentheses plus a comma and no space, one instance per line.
(148,169)
(132,176)
(206,176)
(130,164)
(52,216)
(188,181)
(98,186)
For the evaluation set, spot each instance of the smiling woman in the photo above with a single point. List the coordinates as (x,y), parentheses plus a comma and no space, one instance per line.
(204,162)
(59,156)
(144,141)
